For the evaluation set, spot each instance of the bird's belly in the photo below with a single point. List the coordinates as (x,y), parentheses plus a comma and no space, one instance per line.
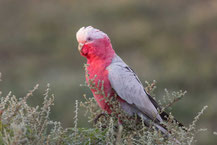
(100,87)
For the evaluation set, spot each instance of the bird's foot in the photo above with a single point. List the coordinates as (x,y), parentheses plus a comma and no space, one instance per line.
(98,116)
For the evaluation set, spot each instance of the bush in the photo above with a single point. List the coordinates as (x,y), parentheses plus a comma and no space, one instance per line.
(23,124)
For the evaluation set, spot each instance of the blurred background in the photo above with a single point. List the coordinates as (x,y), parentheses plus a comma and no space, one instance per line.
(173,42)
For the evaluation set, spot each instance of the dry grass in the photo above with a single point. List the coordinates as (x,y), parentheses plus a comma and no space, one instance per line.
(22,124)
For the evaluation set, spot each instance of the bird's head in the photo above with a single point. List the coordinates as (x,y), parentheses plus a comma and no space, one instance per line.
(93,42)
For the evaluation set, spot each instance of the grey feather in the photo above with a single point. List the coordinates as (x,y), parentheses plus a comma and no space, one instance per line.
(128,86)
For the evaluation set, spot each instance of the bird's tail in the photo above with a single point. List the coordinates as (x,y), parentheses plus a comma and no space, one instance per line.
(148,122)
(163,114)
(159,127)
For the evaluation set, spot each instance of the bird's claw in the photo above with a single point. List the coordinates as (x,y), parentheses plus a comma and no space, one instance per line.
(98,116)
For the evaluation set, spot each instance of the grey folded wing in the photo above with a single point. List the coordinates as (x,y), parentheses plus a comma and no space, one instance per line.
(128,87)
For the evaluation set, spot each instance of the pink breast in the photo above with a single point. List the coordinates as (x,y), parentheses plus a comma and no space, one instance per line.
(101,76)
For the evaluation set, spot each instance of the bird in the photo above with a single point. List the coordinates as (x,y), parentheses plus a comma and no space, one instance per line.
(104,65)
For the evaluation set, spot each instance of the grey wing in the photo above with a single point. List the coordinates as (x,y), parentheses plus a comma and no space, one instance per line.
(127,85)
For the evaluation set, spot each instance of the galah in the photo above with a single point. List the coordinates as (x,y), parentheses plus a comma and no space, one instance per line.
(104,65)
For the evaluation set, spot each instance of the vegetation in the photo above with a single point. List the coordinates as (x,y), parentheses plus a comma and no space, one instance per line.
(23,124)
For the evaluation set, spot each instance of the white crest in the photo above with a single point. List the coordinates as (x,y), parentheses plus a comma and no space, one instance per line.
(89,32)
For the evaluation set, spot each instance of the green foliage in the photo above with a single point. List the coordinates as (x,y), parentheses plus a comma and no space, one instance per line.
(23,124)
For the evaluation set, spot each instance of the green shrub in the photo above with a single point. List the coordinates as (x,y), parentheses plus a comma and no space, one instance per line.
(23,124)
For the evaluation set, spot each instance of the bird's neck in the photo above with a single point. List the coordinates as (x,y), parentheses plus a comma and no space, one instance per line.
(101,61)
(98,65)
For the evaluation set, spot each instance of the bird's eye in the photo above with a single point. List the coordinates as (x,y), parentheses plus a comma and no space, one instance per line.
(89,39)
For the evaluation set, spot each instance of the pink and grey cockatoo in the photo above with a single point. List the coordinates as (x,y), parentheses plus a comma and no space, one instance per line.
(103,64)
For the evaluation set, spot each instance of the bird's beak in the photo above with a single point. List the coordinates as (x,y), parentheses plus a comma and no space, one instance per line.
(80,46)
